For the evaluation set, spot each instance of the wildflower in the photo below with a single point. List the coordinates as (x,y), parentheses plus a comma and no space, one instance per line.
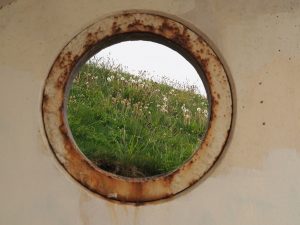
(109,79)
(198,109)
(165,98)
(114,100)
(205,113)
(122,78)
(187,118)
(164,110)
(126,102)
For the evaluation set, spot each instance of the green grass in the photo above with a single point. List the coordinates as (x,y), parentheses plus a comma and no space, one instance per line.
(133,126)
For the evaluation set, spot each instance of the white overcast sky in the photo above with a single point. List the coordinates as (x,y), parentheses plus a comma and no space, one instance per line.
(158,60)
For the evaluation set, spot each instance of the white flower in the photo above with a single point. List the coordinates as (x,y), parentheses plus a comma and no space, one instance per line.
(109,79)
(183,107)
(165,98)
(187,116)
(198,109)
(122,78)
(163,109)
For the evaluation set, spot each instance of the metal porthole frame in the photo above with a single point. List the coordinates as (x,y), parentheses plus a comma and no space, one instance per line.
(131,25)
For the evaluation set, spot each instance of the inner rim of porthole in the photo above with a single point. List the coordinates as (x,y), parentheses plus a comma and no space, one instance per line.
(135,36)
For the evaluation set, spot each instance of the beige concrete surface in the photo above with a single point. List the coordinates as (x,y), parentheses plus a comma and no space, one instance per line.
(254,182)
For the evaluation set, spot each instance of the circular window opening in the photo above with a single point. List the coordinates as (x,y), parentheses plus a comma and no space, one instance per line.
(117,92)
(137,109)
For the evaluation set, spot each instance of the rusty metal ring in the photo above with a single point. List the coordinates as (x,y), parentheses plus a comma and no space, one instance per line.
(136,189)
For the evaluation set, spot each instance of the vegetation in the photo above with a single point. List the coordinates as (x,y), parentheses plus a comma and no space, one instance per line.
(131,125)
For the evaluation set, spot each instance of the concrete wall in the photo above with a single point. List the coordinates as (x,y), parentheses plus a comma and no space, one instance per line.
(254,182)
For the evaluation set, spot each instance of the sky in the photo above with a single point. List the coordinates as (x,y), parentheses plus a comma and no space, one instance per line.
(157,59)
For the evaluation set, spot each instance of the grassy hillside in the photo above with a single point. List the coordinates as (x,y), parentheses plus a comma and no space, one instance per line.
(133,126)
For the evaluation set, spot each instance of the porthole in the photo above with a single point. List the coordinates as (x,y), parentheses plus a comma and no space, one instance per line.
(60,98)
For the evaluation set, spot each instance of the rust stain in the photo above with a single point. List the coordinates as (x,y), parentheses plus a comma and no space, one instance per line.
(84,217)
(134,24)
(6,3)
(45,101)
(115,28)
(90,40)
(113,213)
(136,216)
(111,186)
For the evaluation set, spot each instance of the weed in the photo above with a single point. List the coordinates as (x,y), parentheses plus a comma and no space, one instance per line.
(133,126)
